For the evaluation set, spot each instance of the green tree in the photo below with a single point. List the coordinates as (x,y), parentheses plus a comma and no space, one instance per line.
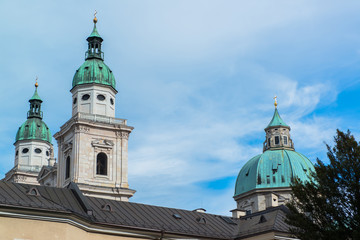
(328,206)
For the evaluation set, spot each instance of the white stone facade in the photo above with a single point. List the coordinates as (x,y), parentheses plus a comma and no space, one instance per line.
(261,199)
(32,153)
(93,99)
(80,141)
(30,156)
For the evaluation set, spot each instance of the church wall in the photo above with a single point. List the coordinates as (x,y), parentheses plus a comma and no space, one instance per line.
(86,143)
(34,229)
(45,230)
(31,158)
(262,199)
(266,236)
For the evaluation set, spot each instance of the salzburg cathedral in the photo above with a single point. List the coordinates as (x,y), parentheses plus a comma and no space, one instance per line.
(84,193)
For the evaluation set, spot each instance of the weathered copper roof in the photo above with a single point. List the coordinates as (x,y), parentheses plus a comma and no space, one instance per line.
(94,32)
(94,70)
(34,129)
(35,96)
(276,120)
(273,169)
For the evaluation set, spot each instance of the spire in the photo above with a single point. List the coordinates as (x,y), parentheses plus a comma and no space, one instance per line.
(276,119)
(94,43)
(277,133)
(35,104)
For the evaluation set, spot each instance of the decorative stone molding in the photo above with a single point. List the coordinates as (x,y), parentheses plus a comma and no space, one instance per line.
(81,129)
(66,148)
(122,134)
(20,178)
(103,143)
(246,203)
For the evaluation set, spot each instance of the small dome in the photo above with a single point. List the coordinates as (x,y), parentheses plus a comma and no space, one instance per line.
(94,70)
(33,129)
(273,169)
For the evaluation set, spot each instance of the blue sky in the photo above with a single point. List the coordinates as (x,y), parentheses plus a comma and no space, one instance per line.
(195,78)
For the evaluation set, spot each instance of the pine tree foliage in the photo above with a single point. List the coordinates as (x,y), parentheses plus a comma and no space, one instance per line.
(328,206)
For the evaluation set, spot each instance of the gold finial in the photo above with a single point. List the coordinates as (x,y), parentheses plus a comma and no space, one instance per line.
(275,102)
(95,19)
(36,83)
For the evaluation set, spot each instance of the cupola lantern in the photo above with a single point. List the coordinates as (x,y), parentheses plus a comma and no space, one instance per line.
(277,133)
(94,43)
(35,105)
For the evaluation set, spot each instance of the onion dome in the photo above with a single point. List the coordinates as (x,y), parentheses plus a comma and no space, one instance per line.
(34,128)
(94,70)
(278,165)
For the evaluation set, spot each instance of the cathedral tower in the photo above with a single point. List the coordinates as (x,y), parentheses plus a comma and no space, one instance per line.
(93,144)
(33,148)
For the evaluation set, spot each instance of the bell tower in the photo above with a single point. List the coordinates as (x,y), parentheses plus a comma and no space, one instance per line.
(93,144)
(33,148)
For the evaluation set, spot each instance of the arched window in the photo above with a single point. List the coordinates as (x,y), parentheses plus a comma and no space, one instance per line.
(101,164)
(67,168)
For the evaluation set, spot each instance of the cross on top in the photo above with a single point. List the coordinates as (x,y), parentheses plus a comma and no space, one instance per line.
(275,101)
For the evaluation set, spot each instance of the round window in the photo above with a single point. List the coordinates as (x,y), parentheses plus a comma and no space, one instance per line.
(75,100)
(37,150)
(25,150)
(101,97)
(47,153)
(85,97)
(112,101)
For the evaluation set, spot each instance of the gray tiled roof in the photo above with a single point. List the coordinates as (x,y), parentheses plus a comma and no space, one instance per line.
(272,219)
(139,216)
(161,218)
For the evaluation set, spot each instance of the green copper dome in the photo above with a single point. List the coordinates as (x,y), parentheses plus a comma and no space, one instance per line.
(273,169)
(33,129)
(94,70)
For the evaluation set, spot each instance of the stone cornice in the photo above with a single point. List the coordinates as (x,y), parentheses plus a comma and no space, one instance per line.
(94,121)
